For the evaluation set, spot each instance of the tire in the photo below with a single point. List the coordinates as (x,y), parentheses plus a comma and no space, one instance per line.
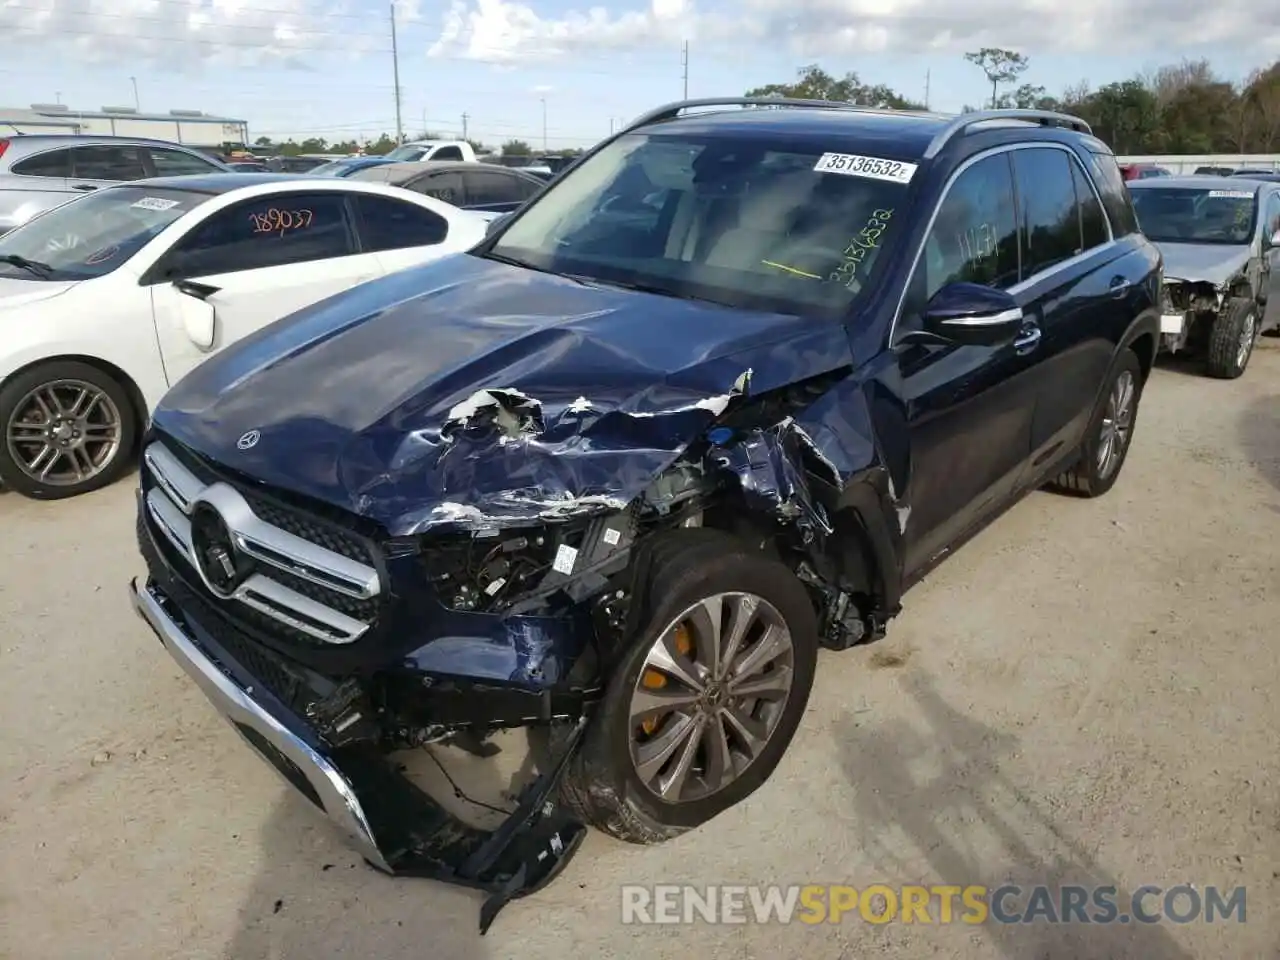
(1092,476)
(1231,339)
(22,419)
(602,786)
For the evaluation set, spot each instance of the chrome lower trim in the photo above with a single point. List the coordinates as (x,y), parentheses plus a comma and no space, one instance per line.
(259,591)
(239,707)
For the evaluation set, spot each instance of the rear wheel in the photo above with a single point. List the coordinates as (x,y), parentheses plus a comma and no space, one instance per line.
(1107,441)
(68,428)
(705,699)
(1231,339)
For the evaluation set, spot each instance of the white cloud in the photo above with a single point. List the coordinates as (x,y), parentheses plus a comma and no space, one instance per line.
(183,33)
(511,31)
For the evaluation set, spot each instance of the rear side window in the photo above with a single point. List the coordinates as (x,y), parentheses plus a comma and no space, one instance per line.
(54,163)
(107,162)
(448,153)
(178,163)
(1093,222)
(1047,202)
(265,232)
(387,224)
(1115,195)
(491,186)
(442,186)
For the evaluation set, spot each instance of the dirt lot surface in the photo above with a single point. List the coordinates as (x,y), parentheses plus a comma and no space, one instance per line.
(1085,694)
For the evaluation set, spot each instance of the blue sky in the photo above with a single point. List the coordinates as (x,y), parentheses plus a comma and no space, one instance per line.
(324,67)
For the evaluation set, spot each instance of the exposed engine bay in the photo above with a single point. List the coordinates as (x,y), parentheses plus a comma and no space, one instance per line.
(1188,309)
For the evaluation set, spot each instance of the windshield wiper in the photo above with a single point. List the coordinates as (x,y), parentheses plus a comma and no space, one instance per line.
(41,270)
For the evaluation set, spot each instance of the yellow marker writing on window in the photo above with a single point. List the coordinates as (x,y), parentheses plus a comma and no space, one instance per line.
(798,273)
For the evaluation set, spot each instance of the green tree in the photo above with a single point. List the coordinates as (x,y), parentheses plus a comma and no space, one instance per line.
(1001,67)
(814,83)
(516,148)
(1124,115)
(382,146)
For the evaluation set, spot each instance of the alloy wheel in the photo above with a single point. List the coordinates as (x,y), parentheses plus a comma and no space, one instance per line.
(710,694)
(64,433)
(1117,424)
(1248,331)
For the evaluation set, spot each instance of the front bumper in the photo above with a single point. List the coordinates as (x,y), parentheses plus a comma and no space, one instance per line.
(396,827)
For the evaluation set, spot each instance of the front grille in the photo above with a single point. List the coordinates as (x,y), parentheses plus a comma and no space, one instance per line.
(256,558)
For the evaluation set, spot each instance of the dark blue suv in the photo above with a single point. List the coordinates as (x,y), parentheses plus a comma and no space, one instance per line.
(713,400)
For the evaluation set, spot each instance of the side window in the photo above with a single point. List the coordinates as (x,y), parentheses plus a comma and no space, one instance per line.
(177,163)
(448,153)
(265,232)
(1093,222)
(1273,216)
(387,224)
(1115,195)
(974,237)
(107,162)
(442,186)
(54,163)
(490,186)
(528,187)
(1047,204)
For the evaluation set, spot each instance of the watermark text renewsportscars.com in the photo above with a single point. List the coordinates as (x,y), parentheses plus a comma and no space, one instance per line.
(934,904)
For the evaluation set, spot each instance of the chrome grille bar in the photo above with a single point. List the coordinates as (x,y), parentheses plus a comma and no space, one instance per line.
(177,495)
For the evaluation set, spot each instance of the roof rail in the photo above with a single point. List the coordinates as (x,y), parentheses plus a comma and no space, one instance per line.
(672,110)
(1047,118)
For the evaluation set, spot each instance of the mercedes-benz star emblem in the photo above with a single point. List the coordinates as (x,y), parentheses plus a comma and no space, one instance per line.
(249,440)
(222,567)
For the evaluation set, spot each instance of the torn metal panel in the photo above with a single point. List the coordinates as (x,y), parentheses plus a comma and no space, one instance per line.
(1216,264)
(769,467)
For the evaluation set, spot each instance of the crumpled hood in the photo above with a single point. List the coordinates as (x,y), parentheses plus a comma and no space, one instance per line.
(1211,263)
(16,292)
(470,393)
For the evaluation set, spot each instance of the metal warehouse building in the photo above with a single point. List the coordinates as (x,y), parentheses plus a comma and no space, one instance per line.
(191,127)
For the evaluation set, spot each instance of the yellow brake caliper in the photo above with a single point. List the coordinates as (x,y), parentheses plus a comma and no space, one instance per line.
(653,680)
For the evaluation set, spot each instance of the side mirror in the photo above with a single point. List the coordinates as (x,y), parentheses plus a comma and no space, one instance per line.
(971,313)
(495,223)
(1275,239)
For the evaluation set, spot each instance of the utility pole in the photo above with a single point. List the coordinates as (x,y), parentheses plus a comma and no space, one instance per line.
(684,63)
(395,68)
(544,124)
(926,89)
(57,98)
(136,104)
(465,117)
(611,126)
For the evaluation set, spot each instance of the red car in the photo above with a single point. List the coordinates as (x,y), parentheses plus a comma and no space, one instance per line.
(1142,171)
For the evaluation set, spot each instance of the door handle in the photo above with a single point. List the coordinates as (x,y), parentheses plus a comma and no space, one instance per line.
(201,291)
(84,186)
(1028,339)
(1119,287)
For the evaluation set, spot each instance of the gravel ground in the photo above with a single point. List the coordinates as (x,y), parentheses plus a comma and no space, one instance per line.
(1079,696)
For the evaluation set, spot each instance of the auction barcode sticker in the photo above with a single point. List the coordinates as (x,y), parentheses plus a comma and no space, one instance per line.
(155,203)
(1232,194)
(874,168)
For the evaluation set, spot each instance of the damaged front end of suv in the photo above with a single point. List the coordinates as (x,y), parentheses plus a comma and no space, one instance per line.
(468,497)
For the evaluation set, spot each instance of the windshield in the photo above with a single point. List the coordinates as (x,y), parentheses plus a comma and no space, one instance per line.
(746,222)
(407,152)
(1186,215)
(94,234)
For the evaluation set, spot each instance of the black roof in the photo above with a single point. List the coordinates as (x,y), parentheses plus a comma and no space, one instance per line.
(899,132)
(213,183)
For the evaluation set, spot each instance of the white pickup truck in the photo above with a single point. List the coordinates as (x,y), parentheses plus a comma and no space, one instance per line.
(433,150)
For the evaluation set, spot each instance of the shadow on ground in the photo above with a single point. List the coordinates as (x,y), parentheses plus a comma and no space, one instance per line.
(315,898)
(1260,438)
(936,787)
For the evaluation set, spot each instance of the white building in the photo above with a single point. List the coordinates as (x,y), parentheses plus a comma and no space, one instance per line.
(190,127)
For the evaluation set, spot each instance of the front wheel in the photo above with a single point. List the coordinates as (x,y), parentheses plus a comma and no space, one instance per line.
(705,699)
(1231,339)
(1109,434)
(68,429)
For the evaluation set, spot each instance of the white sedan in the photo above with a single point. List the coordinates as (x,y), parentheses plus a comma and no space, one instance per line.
(108,300)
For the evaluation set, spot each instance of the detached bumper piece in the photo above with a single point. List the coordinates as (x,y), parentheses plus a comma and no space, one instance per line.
(396,827)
